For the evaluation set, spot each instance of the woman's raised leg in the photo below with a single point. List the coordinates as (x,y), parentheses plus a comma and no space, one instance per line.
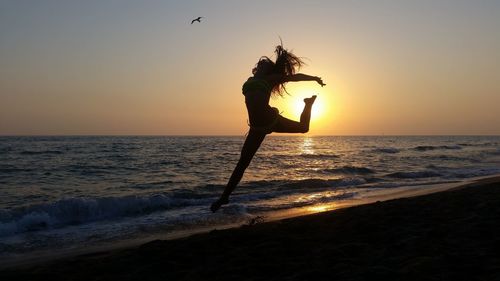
(286,125)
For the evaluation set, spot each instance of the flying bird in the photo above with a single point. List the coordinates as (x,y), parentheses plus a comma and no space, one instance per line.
(198,19)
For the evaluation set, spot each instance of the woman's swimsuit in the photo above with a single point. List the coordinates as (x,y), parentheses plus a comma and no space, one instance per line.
(256,85)
(262,117)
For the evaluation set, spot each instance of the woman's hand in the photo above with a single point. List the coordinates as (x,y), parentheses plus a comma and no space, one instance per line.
(320,81)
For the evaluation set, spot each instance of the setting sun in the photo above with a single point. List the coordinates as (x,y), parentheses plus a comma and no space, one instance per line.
(317,111)
(291,106)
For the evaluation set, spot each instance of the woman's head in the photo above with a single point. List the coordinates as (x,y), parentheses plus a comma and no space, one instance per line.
(265,66)
(286,64)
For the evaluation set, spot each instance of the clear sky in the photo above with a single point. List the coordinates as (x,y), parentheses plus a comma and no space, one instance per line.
(140,67)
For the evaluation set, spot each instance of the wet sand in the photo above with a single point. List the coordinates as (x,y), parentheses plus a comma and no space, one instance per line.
(449,235)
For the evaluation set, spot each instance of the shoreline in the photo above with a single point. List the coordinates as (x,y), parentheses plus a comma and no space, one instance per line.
(45,256)
(372,197)
(277,219)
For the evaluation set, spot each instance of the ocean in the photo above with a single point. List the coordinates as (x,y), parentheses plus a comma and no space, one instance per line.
(70,193)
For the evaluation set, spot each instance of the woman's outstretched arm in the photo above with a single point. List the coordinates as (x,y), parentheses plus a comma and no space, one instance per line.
(303,77)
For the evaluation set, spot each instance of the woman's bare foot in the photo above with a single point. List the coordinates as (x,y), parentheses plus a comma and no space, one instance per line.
(217,204)
(310,101)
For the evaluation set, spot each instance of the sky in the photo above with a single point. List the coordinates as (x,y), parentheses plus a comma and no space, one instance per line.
(103,67)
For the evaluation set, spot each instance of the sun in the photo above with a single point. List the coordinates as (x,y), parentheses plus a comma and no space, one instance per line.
(317,111)
(291,106)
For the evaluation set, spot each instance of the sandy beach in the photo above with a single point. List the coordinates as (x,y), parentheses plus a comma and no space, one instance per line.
(448,235)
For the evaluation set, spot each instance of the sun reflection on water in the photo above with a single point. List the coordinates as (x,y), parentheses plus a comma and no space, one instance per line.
(307,146)
(320,208)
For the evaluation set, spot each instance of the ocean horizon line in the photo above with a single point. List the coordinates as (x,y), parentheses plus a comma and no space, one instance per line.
(235,135)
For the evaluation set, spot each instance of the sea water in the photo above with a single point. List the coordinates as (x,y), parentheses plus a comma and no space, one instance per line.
(75,192)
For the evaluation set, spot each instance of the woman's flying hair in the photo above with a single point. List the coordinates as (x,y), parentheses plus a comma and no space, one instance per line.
(286,64)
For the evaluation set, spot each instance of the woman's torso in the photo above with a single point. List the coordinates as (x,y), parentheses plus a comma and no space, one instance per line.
(257,95)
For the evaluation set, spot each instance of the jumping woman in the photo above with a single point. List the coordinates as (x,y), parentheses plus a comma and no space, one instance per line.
(269,78)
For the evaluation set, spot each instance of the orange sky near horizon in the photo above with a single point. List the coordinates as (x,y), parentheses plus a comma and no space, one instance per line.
(141,68)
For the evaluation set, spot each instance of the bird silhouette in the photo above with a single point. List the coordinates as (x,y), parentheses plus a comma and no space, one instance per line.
(198,19)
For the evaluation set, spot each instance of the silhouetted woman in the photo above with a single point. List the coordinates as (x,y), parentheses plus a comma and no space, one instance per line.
(269,78)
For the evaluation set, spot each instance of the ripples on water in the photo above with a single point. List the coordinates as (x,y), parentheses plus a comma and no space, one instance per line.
(71,190)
